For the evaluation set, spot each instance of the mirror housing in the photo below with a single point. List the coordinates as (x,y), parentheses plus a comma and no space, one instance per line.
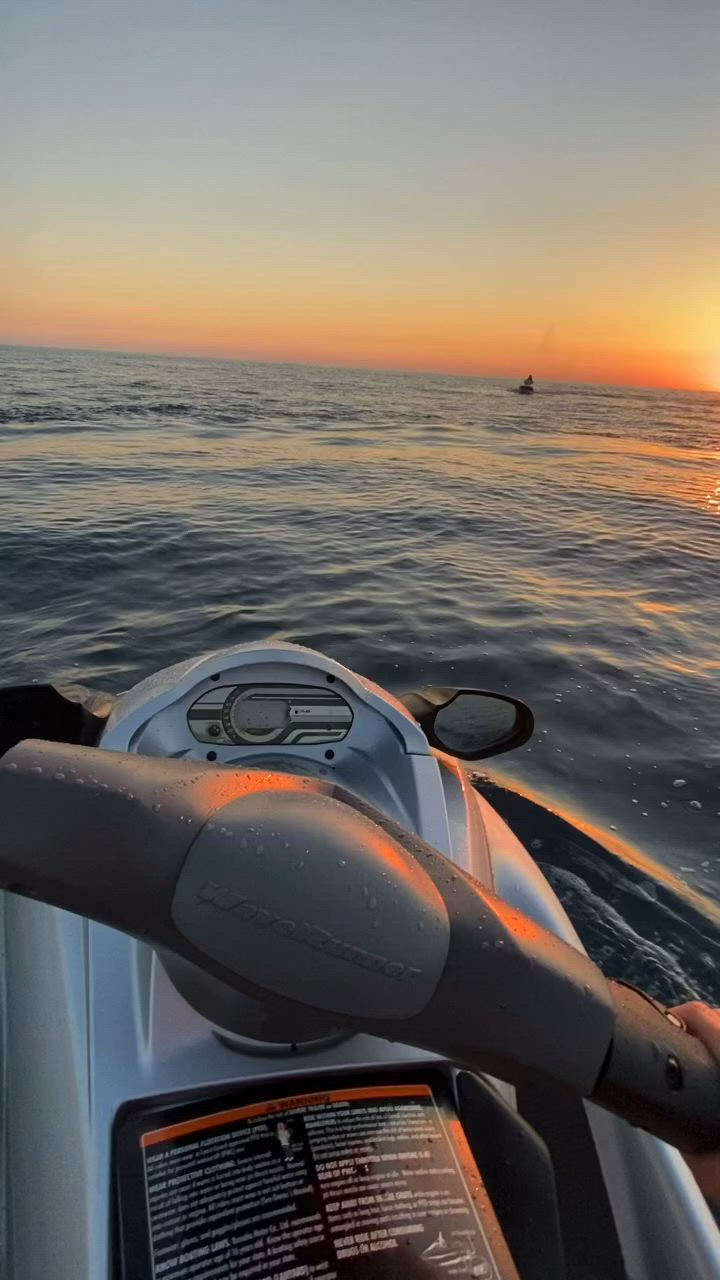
(470,724)
(68,713)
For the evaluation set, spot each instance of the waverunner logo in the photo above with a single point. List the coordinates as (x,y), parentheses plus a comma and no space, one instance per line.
(309,935)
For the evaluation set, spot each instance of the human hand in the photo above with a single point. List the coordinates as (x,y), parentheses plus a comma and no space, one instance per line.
(704,1022)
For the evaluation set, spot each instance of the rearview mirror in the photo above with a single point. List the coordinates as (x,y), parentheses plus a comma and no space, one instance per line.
(470,724)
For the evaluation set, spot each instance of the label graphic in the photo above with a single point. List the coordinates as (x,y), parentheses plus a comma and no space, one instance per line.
(368,1182)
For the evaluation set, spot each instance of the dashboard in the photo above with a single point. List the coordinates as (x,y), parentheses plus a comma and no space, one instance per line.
(270,715)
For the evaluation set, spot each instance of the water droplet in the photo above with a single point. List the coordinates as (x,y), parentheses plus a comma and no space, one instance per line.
(36,769)
(12,766)
(60,777)
(695,804)
(663,804)
(157,808)
(613,827)
(341,862)
(679,782)
(499,943)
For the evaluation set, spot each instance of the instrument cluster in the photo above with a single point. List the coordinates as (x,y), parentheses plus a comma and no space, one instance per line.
(270,715)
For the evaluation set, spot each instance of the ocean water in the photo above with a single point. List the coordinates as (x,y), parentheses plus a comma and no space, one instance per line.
(423,529)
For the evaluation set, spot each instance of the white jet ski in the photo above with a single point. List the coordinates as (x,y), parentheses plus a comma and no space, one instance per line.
(284,997)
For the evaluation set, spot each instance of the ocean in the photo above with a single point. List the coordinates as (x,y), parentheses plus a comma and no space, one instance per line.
(423,529)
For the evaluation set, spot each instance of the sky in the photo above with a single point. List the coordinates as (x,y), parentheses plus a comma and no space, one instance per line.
(458,185)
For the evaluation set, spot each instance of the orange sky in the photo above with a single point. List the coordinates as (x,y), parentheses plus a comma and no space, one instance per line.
(383,324)
(338,187)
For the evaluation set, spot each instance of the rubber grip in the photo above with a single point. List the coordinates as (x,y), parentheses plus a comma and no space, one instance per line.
(658,1076)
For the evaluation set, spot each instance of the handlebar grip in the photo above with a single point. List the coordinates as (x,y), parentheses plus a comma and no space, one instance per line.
(658,1076)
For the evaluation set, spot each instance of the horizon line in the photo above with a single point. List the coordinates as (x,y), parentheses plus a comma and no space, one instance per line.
(352,368)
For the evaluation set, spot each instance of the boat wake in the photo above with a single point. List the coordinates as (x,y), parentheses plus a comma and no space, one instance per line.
(640,929)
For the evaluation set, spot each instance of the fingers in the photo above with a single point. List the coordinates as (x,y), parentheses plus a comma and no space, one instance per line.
(707,1174)
(703,1022)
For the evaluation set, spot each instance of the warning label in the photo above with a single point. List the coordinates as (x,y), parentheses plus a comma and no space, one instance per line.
(369,1182)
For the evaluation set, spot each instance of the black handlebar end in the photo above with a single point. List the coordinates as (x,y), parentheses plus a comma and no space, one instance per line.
(658,1076)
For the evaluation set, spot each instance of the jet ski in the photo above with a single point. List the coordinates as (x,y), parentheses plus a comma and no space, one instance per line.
(527,387)
(284,997)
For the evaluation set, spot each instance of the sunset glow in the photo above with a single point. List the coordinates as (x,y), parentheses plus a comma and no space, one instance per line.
(408,186)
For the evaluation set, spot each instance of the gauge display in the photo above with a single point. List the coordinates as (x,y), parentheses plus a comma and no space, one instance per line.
(270,715)
(285,715)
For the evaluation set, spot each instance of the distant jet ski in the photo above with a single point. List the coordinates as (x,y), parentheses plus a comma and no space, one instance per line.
(527,387)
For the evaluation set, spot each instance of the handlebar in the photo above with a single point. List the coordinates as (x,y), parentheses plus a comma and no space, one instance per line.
(289,890)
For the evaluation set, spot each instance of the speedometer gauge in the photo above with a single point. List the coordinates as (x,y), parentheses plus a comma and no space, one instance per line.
(285,715)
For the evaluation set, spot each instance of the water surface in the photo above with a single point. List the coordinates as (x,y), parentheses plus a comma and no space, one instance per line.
(423,529)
